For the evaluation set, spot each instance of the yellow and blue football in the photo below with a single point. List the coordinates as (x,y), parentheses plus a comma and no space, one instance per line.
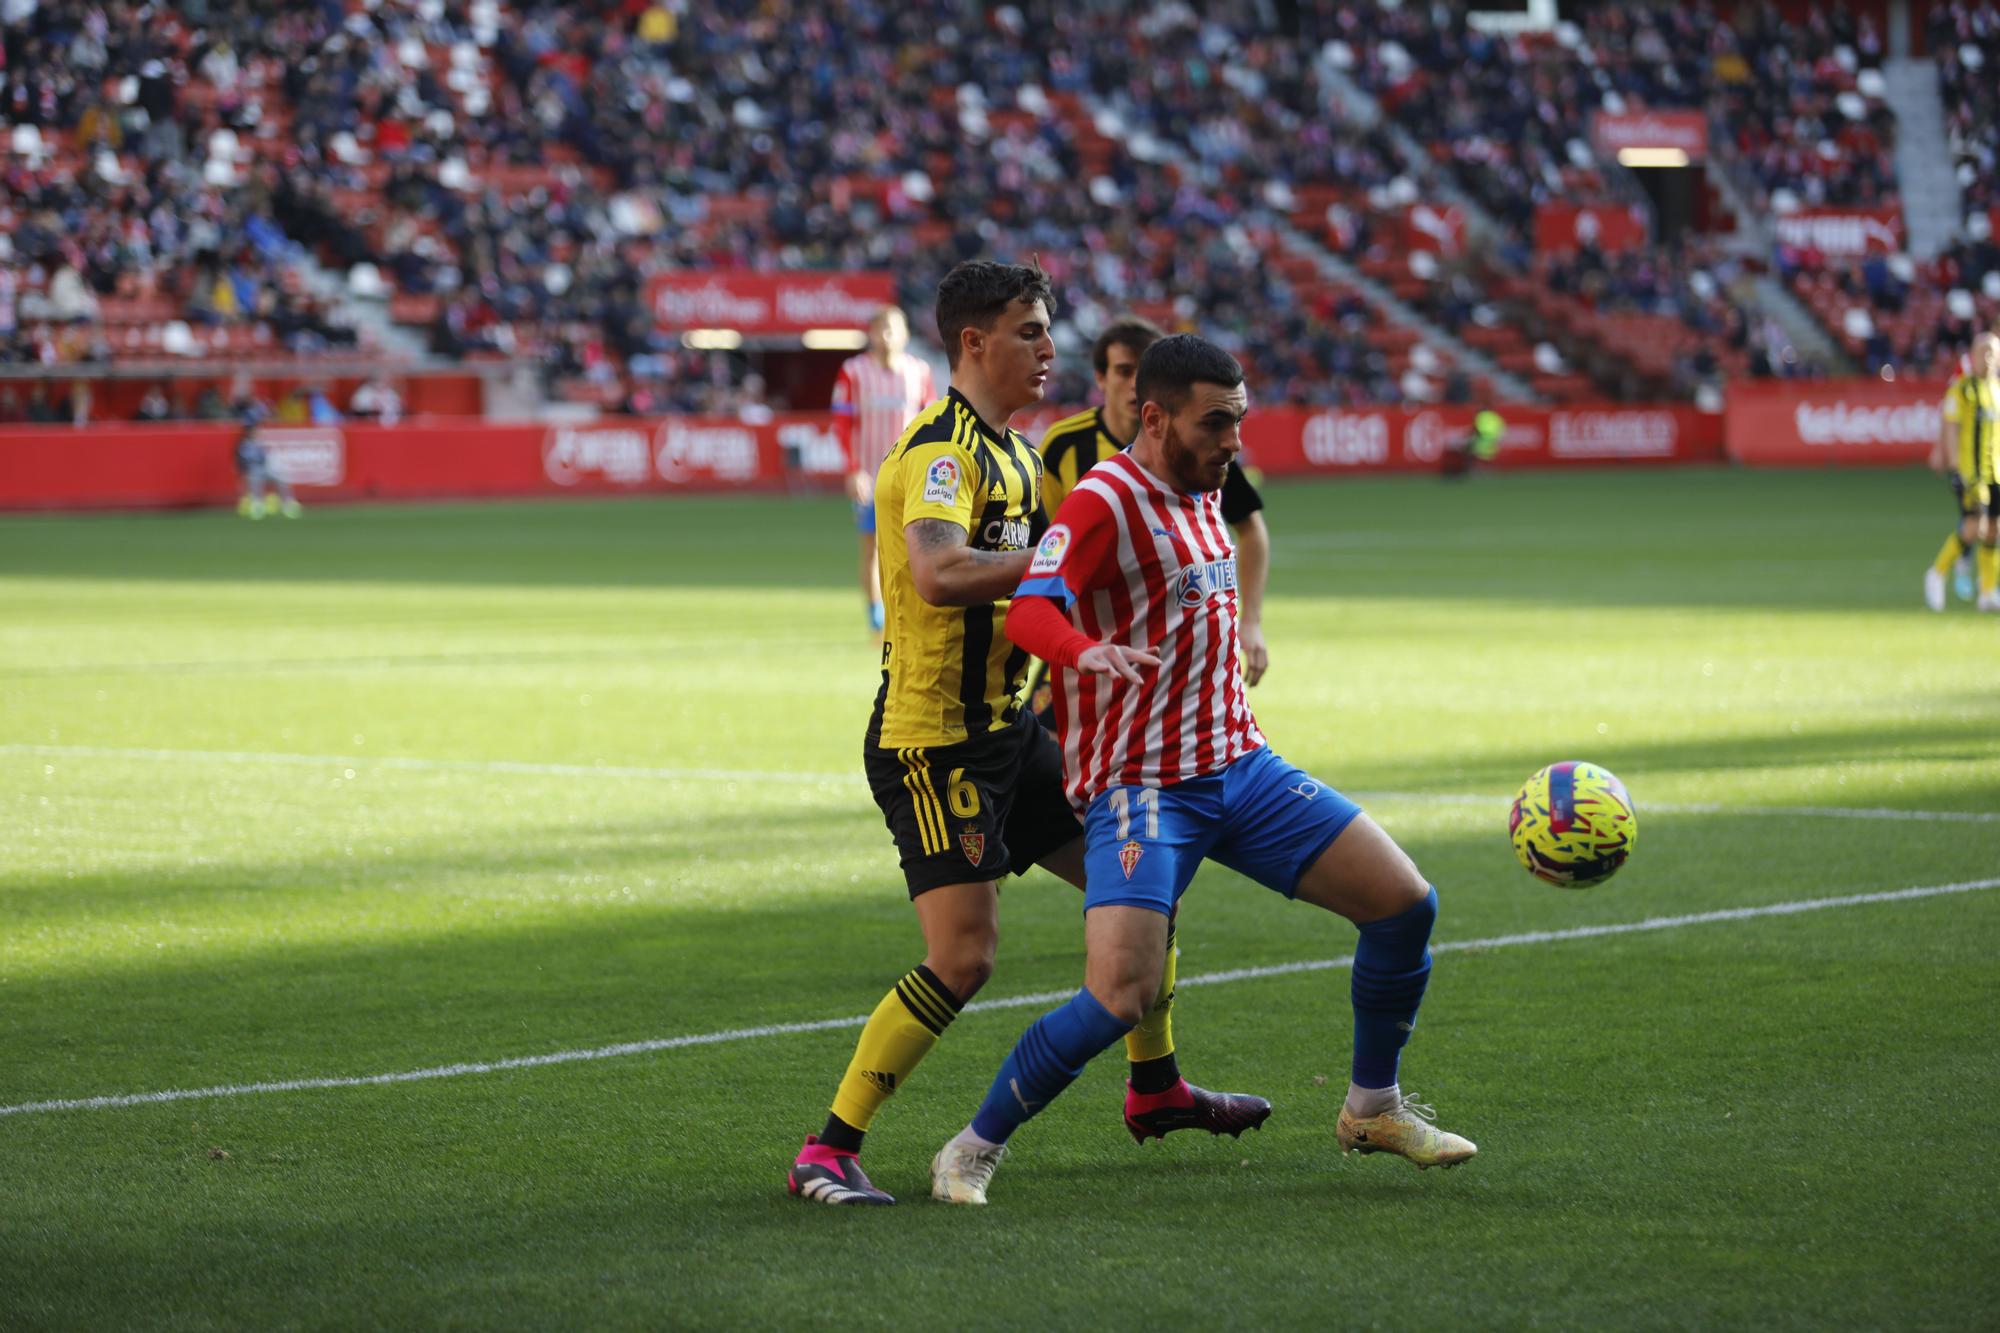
(1573,825)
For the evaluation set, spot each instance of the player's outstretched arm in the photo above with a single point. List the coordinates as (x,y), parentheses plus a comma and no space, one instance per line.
(949,572)
(1037,624)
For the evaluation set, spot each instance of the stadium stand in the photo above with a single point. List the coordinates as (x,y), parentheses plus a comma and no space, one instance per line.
(496,180)
(1965,41)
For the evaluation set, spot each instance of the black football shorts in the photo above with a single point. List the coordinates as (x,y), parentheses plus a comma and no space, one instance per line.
(974,810)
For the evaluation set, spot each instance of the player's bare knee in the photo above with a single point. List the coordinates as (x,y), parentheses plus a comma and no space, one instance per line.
(1126,984)
(1128,1001)
(1406,886)
(963,958)
(964,968)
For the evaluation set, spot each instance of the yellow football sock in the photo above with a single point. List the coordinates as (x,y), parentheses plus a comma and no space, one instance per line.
(1153,1039)
(1954,547)
(899,1034)
(1989,569)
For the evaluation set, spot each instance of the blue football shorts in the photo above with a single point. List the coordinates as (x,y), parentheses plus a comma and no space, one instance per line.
(864,517)
(1261,817)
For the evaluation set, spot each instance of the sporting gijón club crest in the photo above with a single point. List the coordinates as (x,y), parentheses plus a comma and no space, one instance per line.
(1128,856)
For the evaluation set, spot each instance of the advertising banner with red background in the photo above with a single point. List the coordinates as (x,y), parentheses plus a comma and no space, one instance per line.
(766,303)
(1295,441)
(1685,130)
(171,466)
(1843,231)
(1833,423)
(178,466)
(1562,227)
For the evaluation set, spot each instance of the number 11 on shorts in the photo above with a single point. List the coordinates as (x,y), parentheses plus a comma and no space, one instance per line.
(1149,806)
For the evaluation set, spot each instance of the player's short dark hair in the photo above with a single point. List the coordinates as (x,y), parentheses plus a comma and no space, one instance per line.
(976,293)
(1126,331)
(1171,367)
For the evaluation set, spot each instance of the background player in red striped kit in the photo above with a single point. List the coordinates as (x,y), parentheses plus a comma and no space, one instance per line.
(1162,754)
(874,398)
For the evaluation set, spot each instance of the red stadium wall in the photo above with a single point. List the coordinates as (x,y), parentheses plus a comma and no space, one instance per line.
(178,466)
(1292,441)
(1832,423)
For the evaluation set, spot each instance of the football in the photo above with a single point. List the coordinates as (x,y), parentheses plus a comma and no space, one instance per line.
(1573,825)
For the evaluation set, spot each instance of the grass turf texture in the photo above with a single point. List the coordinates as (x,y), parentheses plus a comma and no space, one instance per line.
(1782,1120)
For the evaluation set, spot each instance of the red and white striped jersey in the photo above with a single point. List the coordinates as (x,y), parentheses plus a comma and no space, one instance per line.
(1140,563)
(879,401)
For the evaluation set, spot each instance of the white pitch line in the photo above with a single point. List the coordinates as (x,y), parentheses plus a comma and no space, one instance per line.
(854,779)
(981,1006)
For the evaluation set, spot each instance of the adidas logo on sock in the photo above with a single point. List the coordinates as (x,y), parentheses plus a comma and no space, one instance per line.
(885,1081)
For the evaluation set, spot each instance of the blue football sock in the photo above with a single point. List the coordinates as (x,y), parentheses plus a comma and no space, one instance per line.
(1046,1060)
(1392,963)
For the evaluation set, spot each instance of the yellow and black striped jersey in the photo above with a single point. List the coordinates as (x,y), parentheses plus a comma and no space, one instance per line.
(1070,448)
(1973,404)
(949,672)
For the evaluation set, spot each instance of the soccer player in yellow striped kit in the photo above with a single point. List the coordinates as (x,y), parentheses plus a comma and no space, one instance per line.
(969,784)
(1968,452)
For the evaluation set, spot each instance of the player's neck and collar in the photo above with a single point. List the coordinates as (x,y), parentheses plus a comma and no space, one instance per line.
(1153,475)
(960,394)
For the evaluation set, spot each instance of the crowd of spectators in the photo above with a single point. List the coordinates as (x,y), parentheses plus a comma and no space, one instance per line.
(1691,284)
(1803,105)
(1965,40)
(510,171)
(901,137)
(1898,314)
(118,185)
(1799,106)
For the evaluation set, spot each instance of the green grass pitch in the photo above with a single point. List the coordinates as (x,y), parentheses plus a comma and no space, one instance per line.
(399,789)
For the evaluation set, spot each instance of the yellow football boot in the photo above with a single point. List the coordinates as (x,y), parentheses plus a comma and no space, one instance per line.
(1406,1131)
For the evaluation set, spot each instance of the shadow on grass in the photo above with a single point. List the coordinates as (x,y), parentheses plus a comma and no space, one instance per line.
(1642,764)
(486,978)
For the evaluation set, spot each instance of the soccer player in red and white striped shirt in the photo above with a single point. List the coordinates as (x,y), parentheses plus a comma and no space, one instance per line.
(1132,595)
(874,398)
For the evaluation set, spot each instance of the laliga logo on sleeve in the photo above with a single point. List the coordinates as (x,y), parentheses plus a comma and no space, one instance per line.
(941,482)
(1048,556)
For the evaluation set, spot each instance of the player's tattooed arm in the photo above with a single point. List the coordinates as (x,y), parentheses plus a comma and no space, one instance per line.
(950,572)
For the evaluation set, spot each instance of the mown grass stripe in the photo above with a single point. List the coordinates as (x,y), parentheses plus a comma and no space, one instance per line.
(669,774)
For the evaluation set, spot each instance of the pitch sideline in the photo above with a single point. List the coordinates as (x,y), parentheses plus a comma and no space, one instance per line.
(981,1006)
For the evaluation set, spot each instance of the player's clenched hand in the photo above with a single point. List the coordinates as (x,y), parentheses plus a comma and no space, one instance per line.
(1115,659)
